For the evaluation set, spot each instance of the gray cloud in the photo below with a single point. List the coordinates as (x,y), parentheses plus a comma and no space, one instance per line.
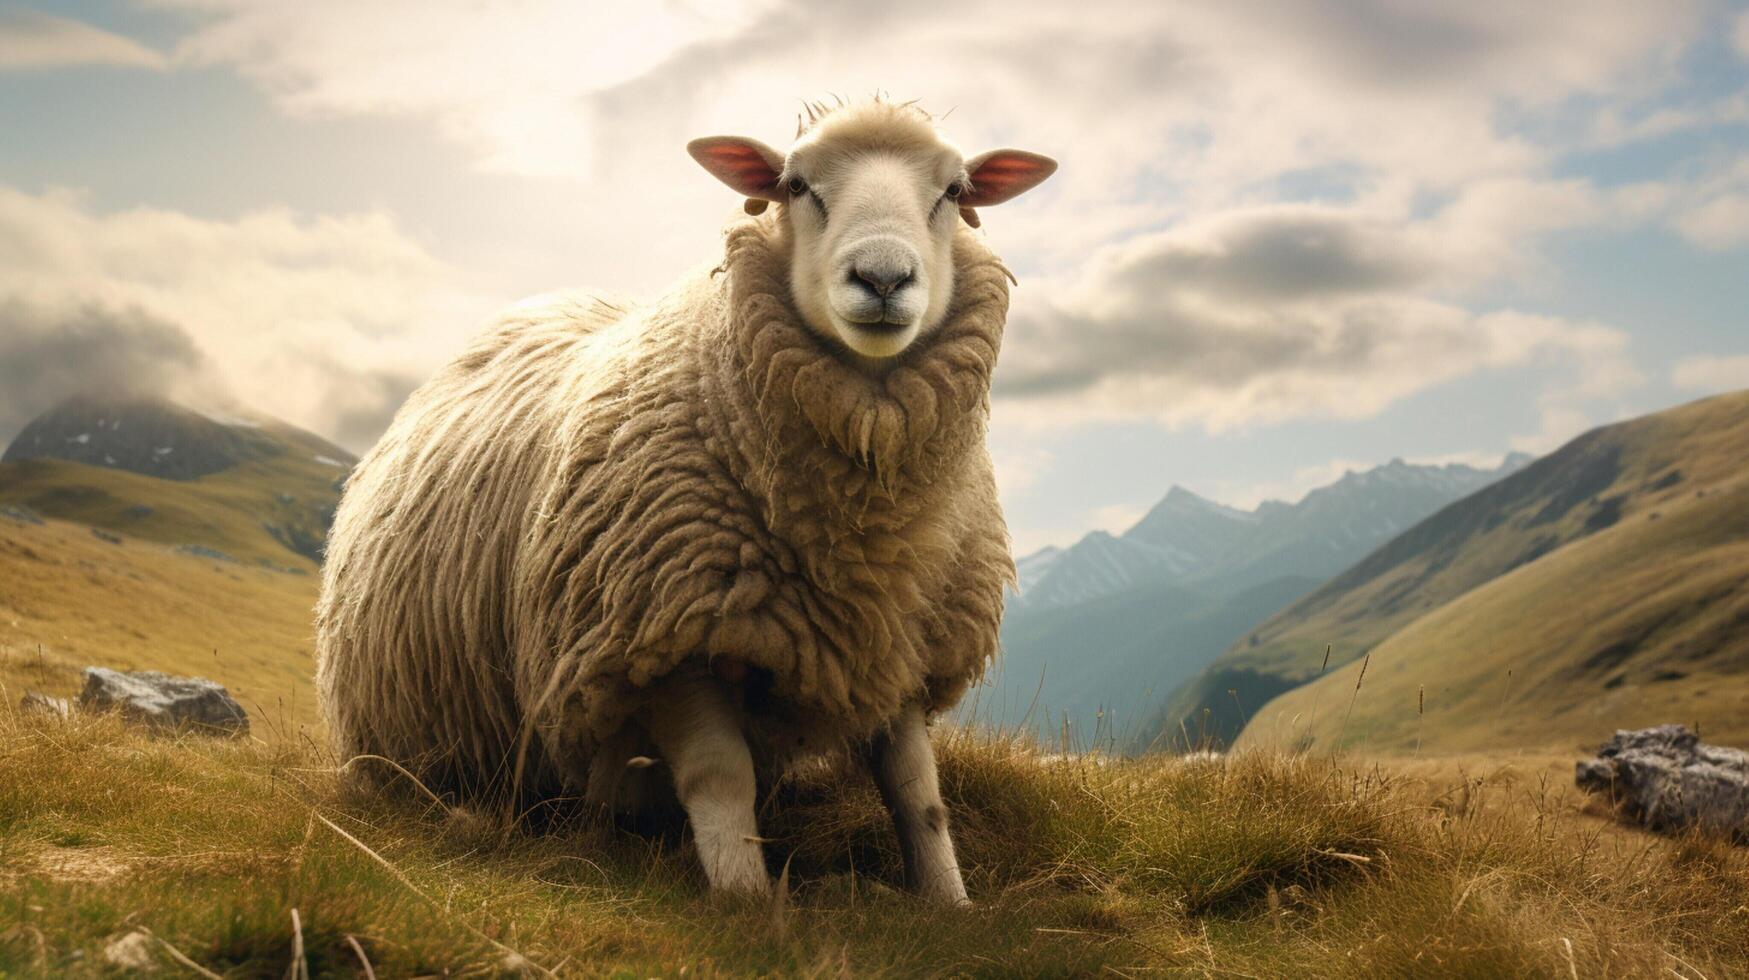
(1223,302)
(1195,347)
(47,355)
(1277,253)
(362,403)
(318,321)
(1272,313)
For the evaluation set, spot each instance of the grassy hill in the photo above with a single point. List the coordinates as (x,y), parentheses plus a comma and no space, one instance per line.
(1644,623)
(264,492)
(1641,495)
(245,858)
(138,534)
(70,599)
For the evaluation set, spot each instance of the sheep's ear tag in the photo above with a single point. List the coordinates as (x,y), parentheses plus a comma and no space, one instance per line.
(754,205)
(968,214)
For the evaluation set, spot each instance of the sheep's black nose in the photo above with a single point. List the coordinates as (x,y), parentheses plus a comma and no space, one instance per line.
(883,280)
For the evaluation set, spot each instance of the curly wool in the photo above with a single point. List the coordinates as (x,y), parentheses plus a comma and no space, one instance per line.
(593,494)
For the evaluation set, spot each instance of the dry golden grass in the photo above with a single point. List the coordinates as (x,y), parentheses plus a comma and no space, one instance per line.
(1639,625)
(69,600)
(1259,865)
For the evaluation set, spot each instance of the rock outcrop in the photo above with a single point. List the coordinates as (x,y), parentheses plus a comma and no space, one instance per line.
(1668,779)
(20,515)
(163,701)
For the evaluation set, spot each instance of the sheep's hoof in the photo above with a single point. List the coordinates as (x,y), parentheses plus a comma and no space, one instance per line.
(945,890)
(740,895)
(949,901)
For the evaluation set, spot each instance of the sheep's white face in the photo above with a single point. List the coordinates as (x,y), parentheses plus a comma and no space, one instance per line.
(872,214)
(873,258)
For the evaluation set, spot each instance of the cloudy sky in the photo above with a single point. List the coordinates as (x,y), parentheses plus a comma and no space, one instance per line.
(1287,238)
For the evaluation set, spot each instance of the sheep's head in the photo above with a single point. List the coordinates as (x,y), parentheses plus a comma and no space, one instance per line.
(872,196)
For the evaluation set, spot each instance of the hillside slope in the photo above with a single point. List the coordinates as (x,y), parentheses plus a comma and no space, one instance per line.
(70,599)
(257,490)
(1641,624)
(1607,483)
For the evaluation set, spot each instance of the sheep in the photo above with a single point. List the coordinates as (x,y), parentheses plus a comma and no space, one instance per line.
(748,523)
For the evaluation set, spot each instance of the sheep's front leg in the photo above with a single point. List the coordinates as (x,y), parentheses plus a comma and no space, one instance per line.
(903,764)
(696,728)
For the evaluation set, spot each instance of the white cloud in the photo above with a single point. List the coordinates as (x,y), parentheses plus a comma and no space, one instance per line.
(1712,209)
(1711,374)
(30,40)
(1740,36)
(1474,458)
(510,81)
(323,321)
(1206,98)
(1557,423)
(1719,222)
(1615,126)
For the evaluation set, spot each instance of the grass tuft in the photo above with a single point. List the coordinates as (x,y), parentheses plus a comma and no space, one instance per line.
(1257,864)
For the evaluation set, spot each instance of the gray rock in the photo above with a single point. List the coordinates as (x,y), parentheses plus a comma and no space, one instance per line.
(164,702)
(202,551)
(1668,779)
(22,515)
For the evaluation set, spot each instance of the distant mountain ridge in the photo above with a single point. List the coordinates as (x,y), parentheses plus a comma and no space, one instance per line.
(1102,630)
(153,437)
(1186,538)
(250,489)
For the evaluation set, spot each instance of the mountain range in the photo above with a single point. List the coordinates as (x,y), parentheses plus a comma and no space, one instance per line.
(1099,631)
(1604,586)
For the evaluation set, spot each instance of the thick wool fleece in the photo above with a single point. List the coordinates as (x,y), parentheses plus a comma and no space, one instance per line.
(591,495)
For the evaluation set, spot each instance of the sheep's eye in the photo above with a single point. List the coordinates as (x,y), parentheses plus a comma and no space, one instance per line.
(797,186)
(954,189)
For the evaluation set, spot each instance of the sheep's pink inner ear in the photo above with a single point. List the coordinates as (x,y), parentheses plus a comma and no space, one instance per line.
(1001,174)
(748,166)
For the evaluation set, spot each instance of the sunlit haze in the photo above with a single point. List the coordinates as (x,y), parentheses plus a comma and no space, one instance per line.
(1287,239)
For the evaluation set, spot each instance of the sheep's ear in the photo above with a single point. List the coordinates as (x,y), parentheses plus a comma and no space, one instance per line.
(748,166)
(999,175)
